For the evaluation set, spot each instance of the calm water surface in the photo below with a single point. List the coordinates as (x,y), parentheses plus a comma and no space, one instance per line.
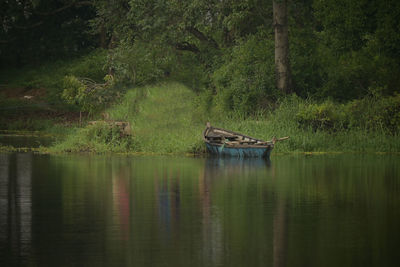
(334,210)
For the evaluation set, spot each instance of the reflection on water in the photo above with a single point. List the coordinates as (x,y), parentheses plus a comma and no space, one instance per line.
(165,211)
(15,204)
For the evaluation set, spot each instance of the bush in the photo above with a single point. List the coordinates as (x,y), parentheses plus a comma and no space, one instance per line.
(98,138)
(88,95)
(245,82)
(104,133)
(91,65)
(140,63)
(375,113)
(324,116)
(371,113)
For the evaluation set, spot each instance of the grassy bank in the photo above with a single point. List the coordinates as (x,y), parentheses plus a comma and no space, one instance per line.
(163,118)
(169,118)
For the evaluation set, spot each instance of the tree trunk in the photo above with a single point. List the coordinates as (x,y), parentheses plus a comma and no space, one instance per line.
(282,65)
(103,36)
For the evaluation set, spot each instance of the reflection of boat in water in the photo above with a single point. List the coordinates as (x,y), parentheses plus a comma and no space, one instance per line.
(237,164)
(228,167)
(223,142)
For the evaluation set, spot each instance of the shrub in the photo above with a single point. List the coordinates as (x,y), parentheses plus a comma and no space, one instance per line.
(104,133)
(88,95)
(245,81)
(324,116)
(140,63)
(371,113)
(375,113)
(99,138)
(91,65)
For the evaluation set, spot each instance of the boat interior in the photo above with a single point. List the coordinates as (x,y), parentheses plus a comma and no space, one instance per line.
(220,136)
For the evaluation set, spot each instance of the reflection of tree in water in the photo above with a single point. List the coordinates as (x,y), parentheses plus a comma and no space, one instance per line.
(280,233)
(254,171)
(15,204)
(167,192)
(212,229)
(121,200)
(225,166)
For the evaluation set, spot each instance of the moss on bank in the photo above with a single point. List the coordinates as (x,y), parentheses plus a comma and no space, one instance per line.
(169,118)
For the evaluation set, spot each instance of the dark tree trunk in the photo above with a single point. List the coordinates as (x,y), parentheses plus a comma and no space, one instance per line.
(282,64)
(103,37)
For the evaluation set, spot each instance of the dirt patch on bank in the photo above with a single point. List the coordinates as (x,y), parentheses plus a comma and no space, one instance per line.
(24,93)
(25,105)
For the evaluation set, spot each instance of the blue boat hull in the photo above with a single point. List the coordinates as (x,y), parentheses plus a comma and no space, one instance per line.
(240,152)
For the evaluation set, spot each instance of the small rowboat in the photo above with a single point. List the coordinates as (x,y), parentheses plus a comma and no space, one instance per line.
(226,143)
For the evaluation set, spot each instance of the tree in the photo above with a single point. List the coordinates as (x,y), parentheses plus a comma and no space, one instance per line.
(282,64)
(359,45)
(32,30)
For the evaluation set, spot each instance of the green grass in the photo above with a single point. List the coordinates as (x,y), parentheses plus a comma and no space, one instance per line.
(162,119)
(169,118)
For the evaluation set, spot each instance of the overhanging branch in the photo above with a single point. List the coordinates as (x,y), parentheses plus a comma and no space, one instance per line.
(29,27)
(58,10)
(51,13)
(185,46)
(202,37)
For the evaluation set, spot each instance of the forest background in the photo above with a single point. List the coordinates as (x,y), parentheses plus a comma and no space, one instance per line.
(344,66)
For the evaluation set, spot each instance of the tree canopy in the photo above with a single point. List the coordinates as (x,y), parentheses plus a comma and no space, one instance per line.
(342,49)
(33,31)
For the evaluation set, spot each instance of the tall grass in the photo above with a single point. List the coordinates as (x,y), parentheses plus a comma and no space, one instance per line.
(170,118)
(163,118)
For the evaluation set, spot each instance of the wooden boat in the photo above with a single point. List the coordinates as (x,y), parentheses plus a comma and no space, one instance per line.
(226,143)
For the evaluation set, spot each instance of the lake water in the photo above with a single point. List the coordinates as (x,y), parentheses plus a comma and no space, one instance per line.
(330,210)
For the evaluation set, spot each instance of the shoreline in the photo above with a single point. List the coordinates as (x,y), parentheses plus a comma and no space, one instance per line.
(45,151)
(168,119)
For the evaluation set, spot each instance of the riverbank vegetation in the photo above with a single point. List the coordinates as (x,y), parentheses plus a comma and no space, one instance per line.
(169,118)
(167,67)
(30,96)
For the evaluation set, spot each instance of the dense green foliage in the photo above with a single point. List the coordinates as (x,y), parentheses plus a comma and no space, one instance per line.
(34,31)
(370,113)
(339,49)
